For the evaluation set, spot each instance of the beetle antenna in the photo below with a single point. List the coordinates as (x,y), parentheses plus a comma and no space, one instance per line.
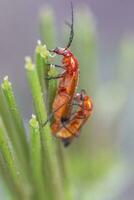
(71,27)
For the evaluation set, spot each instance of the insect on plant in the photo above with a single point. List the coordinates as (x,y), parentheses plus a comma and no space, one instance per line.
(70,128)
(67,121)
(68,82)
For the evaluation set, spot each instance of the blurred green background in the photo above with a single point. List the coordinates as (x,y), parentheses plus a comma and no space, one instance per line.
(100,161)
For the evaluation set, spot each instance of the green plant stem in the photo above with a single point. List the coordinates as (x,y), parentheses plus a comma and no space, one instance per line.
(16,117)
(41,55)
(52,87)
(12,171)
(53,180)
(7,109)
(7,179)
(6,151)
(36,159)
(6,117)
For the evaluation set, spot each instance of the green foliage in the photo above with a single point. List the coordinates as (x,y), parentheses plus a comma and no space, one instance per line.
(30,168)
(37,167)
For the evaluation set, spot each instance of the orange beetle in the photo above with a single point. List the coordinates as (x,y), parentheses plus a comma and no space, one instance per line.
(66,123)
(70,128)
(61,107)
(66,90)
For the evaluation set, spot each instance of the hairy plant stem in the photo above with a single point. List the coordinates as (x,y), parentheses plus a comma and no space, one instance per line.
(52,87)
(36,158)
(13,172)
(7,179)
(17,133)
(41,56)
(53,180)
(16,117)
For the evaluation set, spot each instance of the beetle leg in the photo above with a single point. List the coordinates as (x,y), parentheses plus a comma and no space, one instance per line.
(51,115)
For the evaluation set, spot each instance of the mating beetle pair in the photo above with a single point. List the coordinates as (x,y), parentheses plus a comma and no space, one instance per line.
(67,121)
